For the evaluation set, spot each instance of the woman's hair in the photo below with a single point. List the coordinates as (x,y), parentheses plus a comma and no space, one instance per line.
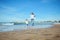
(32,13)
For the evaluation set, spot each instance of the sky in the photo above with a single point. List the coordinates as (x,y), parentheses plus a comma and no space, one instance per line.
(19,10)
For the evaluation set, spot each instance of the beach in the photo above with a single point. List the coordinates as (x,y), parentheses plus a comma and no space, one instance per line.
(29,19)
(52,33)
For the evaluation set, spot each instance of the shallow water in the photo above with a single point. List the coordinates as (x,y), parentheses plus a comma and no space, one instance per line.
(4,28)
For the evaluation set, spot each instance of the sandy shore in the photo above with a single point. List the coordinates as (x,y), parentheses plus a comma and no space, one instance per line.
(52,33)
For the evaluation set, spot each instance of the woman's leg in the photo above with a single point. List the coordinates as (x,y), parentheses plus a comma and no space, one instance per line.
(32,21)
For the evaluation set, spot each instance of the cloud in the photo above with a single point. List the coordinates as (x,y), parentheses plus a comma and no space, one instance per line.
(47,1)
(7,9)
(8,13)
(44,1)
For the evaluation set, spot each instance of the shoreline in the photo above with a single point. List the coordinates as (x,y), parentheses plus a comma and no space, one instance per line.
(33,34)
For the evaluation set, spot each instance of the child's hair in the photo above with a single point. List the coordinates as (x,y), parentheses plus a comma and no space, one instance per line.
(26,19)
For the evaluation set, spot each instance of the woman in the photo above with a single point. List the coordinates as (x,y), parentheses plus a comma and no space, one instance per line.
(32,18)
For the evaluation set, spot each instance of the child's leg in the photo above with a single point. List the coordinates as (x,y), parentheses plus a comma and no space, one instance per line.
(27,24)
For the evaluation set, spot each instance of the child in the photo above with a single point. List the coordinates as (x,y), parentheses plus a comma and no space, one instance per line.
(27,22)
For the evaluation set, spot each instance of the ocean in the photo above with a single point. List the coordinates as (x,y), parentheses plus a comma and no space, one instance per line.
(10,26)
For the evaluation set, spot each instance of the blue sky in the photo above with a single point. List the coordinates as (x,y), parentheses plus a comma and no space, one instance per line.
(19,10)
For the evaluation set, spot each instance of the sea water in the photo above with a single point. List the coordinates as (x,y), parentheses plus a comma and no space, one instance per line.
(5,28)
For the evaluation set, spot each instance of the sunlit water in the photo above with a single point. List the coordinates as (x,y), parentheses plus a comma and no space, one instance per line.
(4,28)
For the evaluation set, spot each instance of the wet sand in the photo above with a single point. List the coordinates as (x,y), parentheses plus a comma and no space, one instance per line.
(52,33)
